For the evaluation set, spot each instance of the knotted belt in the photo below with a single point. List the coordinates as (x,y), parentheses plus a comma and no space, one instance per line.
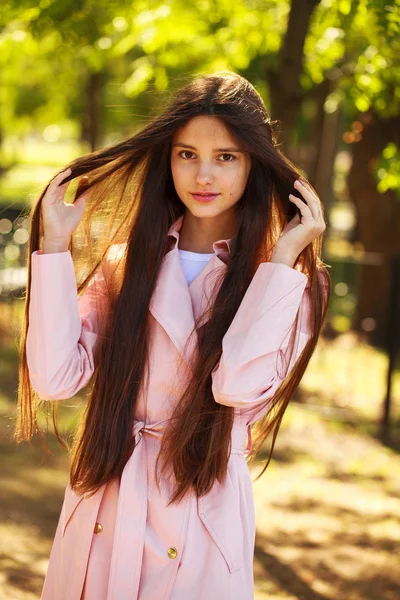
(132,510)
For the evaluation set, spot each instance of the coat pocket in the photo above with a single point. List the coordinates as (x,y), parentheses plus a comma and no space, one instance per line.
(219,511)
(71,501)
(74,506)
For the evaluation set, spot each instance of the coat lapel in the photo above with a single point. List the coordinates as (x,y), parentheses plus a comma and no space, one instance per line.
(171,304)
(175,305)
(204,288)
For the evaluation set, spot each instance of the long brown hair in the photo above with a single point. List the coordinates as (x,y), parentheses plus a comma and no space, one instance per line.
(131,199)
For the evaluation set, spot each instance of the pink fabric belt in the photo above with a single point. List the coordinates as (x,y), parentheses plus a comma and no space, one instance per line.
(130,527)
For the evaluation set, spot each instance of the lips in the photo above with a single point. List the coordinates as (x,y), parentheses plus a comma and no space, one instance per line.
(204,197)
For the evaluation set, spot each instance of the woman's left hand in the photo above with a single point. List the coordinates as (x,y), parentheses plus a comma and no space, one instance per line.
(301,231)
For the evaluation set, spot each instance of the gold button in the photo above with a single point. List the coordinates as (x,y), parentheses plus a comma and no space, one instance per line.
(172,552)
(98,528)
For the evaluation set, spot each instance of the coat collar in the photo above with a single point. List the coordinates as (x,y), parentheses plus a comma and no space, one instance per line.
(221,247)
(175,304)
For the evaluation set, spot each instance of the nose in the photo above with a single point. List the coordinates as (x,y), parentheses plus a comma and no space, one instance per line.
(205,174)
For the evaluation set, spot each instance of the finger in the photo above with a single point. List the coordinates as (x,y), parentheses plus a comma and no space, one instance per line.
(64,175)
(309,188)
(312,202)
(305,189)
(56,181)
(303,206)
(55,192)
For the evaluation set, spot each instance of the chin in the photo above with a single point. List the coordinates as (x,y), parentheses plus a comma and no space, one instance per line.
(210,209)
(204,211)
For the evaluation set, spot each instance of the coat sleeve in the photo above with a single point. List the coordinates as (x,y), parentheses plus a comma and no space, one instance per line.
(63,327)
(253,362)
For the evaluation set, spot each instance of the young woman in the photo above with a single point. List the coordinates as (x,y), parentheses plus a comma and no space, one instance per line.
(200,300)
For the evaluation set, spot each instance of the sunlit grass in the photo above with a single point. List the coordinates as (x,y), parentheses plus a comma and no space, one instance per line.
(350,374)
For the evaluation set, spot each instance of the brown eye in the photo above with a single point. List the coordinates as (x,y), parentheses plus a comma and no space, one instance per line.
(183,152)
(227,154)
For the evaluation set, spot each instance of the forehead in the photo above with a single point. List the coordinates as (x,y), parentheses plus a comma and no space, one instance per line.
(204,128)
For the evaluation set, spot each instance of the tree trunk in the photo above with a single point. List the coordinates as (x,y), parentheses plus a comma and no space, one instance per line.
(327,150)
(284,83)
(378,224)
(90,132)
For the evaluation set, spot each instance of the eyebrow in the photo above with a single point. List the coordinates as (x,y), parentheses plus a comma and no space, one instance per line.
(182,145)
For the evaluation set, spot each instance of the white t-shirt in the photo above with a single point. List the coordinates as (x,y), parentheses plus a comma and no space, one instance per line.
(192,263)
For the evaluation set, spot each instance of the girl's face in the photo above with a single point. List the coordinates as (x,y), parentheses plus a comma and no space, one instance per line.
(205,158)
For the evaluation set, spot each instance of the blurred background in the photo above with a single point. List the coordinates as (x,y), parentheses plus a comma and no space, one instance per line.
(80,75)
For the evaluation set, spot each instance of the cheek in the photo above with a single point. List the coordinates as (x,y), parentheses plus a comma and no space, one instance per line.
(175,173)
(236,180)
(179,173)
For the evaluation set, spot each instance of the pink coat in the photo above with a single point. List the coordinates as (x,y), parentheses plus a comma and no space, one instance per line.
(197,549)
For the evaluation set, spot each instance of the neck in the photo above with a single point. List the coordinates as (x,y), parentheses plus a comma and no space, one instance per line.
(199,234)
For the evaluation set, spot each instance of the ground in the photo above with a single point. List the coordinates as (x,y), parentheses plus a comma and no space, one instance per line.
(327,507)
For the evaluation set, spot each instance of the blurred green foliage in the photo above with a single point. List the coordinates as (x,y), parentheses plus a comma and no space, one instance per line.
(387,170)
(135,53)
(49,47)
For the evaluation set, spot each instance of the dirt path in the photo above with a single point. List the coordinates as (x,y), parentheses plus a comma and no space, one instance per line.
(328,515)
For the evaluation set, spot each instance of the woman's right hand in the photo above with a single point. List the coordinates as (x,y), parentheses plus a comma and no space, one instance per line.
(59,218)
